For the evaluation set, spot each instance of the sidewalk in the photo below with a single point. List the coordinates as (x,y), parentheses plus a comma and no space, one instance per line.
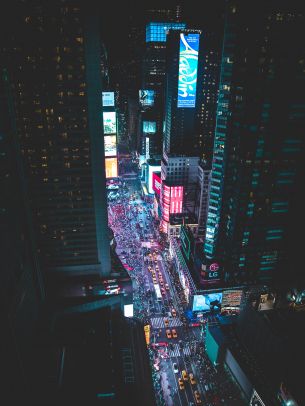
(166,392)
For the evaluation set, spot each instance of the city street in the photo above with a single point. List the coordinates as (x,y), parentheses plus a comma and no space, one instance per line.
(174,345)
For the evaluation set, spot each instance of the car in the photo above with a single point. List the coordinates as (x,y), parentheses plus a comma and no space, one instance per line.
(166,322)
(168,333)
(162,291)
(181,384)
(174,333)
(157,267)
(174,313)
(192,379)
(166,286)
(175,368)
(185,375)
(197,397)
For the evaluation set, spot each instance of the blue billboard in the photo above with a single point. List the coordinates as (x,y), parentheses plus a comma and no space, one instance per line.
(206,302)
(149,127)
(147,97)
(188,62)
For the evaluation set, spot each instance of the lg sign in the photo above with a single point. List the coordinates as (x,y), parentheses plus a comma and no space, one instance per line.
(156,183)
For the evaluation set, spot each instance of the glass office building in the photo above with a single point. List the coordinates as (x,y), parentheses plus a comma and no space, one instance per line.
(258,146)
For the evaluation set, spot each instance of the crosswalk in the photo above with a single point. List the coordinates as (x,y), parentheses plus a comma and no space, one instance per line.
(158,322)
(177,352)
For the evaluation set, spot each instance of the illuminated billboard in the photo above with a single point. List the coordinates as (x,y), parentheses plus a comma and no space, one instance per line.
(147,148)
(176,199)
(110,145)
(151,170)
(108,99)
(128,310)
(156,32)
(206,302)
(111,166)
(147,98)
(172,200)
(188,62)
(156,182)
(109,120)
(149,127)
(232,298)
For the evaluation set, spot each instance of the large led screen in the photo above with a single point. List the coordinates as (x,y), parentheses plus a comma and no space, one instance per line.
(108,99)
(109,119)
(151,170)
(149,127)
(206,302)
(188,62)
(110,145)
(147,97)
(176,199)
(156,182)
(111,165)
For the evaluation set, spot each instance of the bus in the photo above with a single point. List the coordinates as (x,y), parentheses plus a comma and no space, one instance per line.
(158,292)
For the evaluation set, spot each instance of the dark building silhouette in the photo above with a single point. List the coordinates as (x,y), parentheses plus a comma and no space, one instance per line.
(54,58)
(22,285)
(258,145)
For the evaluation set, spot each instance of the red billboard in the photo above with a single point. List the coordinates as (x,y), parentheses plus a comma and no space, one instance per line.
(172,200)
(156,182)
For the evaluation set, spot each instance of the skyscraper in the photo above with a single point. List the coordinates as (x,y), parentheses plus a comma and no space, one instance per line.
(258,144)
(22,286)
(54,60)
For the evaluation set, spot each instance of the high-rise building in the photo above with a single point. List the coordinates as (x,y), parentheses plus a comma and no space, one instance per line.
(22,285)
(54,58)
(153,79)
(182,92)
(258,146)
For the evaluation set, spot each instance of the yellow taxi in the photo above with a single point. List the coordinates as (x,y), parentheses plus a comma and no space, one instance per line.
(168,334)
(174,333)
(174,313)
(157,267)
(197,397)
(166,286)
(192,379)
(166,322)
(185,375)
(181,384)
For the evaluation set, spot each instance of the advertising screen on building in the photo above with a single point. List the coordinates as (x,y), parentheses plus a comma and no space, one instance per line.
(232,298)
(108,99)
(147,98)
(149,127)
(206,302)
(176,199)
(111,165)
(147,147)
(156,182)
(128,310)
(156,32)
(110,145)
(188,62)
(151,170)
(109,119)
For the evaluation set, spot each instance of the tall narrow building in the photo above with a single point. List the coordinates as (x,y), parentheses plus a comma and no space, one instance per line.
(53,55)
(259,143)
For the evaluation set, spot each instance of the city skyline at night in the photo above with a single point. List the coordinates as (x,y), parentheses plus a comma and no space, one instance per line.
(151,212)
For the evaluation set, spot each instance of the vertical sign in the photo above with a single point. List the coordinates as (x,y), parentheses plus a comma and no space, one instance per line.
(188,62)
(147,148)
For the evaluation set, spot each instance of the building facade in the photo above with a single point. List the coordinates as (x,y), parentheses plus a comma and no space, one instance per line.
(55,70)
(256,168)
